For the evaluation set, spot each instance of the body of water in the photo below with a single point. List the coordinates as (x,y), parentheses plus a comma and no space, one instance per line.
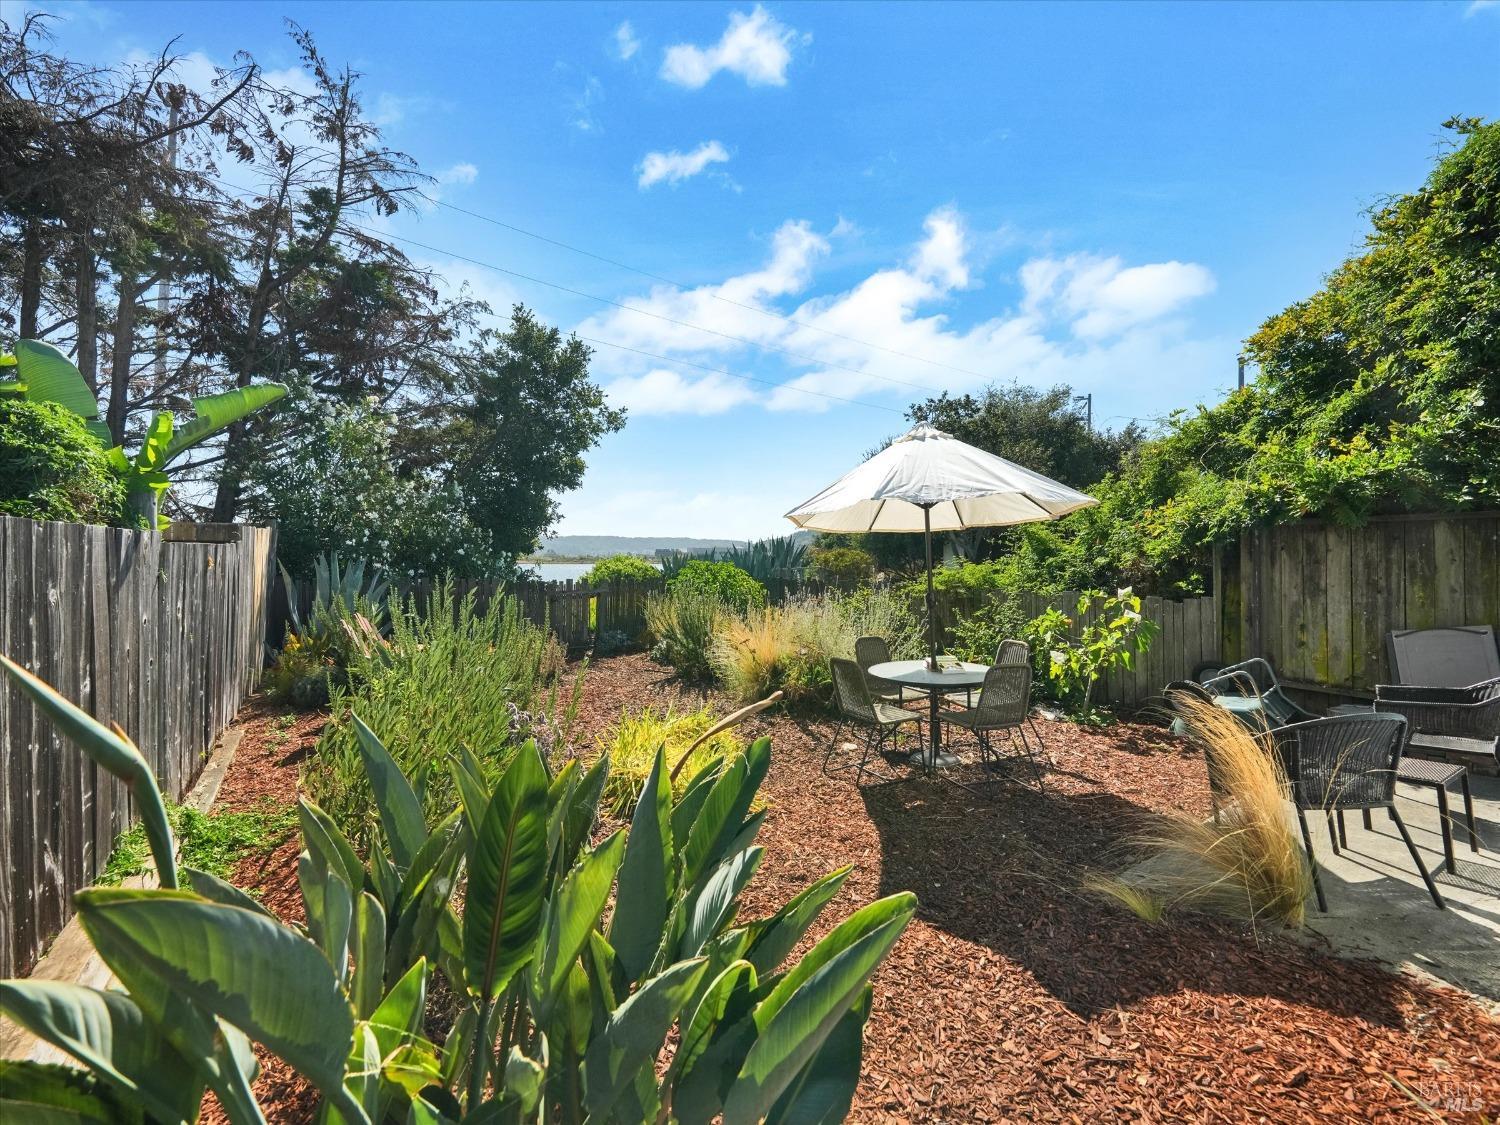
(560,572)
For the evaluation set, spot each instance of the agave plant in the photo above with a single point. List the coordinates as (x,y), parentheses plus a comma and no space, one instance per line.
(762,559)
(564,1014)
(340,591)
(41,373)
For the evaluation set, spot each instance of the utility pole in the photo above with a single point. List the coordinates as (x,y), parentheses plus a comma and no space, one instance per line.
(1242,372)
(1088,409)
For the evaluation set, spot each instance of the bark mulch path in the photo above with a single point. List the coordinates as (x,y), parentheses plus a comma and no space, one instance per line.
(1014,995)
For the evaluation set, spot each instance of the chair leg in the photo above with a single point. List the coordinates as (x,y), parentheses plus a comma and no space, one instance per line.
(1343,835)
(1333,837)
(1036,765)
(1445,826)
(1469,812)
(1416,857)
(1369,827)
(1030,722)
(1312,861)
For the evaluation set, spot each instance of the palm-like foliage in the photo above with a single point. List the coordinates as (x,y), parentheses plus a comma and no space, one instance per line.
(564,1014)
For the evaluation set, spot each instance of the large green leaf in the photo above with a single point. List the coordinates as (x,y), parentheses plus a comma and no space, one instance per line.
(400,810)
(255,973)
(634,1035)
(215,412)
(507,877)
(108,1032)
(641,907)
(115,753)
(723,813)
(214,889)
(824,1091)
(50,376)
(572,913)
(50,1094)
(369,955)
(328,846)
(713,906)
(779,934)
(152,456)
(799,1014)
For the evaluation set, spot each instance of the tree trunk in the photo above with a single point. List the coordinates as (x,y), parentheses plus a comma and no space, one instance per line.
(124,349)
(88,311)
(31,277)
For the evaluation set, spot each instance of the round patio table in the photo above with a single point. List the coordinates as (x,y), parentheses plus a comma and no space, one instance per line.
(937,683)
(1247,708)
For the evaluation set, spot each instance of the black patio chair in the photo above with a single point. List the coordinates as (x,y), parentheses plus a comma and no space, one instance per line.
(876,720)
(1004,704)
(870,651)
(1256,677)
(1346,762)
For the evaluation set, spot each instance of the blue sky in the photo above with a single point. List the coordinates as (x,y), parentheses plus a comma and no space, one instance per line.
(908,197)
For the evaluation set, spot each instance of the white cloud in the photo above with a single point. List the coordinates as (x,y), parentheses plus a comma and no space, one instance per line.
(626,44)
(674,167)
(1476,6)
(757,47)
(940,256)
(1087,320)
(584,102)
(1102,296)
(460,173)
(663,391)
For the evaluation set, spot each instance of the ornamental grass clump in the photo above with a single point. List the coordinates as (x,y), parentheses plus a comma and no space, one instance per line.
(681,625)
(449,676)
(633,744)
(1249,864)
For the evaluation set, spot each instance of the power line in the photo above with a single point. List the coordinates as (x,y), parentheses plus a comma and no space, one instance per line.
(772,313)
(646,312)
(737,375)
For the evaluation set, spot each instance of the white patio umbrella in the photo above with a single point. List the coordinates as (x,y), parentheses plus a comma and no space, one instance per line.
(927,480)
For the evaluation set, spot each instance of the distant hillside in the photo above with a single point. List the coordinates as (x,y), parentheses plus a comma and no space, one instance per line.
(602,546)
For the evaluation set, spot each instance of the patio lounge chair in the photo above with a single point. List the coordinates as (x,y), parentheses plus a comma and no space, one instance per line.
(1455,657)
(1256,677)
(877,721)
(1346,762)
(1004,704)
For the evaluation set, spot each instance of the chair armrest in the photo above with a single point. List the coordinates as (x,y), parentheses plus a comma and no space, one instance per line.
(1479,720)
(1418,693)
(1237,679)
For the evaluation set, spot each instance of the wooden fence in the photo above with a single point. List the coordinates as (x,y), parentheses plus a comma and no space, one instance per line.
(577,613)
(160,635)
(1317,599)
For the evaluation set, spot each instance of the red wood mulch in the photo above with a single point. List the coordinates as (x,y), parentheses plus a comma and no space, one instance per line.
(1013,995)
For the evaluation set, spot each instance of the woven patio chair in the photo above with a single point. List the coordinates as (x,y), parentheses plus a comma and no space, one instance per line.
(1466,719)
(870,651)
(876,720)
(1011,651)
(1256,677)
(1346,762)
(1004,704)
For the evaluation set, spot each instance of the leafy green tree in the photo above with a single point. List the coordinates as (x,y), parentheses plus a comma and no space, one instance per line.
(1044,431)
(843,564)
(52,468)
(527,413)
(333,482)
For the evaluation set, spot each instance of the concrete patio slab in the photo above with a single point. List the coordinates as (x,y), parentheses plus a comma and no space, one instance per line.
(1378,906)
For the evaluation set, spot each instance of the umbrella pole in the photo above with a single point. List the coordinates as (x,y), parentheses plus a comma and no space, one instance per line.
(932,639)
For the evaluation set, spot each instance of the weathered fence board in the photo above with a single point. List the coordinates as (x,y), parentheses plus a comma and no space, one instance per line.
(1318,599)
(164,638)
